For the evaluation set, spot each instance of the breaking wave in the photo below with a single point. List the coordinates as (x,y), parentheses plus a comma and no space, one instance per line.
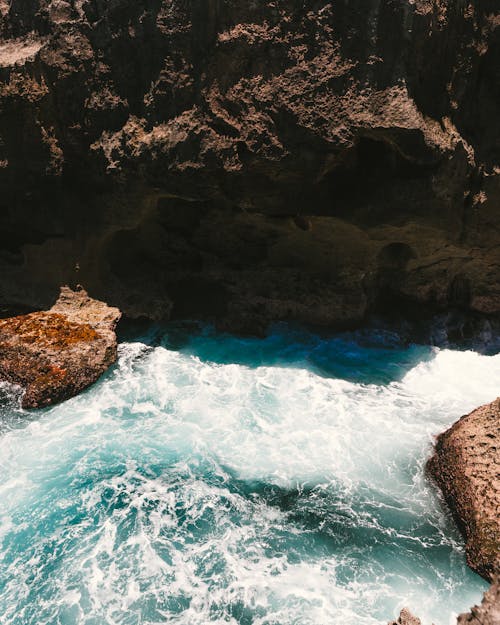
(255,482)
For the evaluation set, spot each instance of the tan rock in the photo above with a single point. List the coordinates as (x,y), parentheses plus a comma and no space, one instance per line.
(57,353)
(466,466)
(488,613)
(406,618)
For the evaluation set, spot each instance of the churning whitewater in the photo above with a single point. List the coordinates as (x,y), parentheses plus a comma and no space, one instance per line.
(208,479)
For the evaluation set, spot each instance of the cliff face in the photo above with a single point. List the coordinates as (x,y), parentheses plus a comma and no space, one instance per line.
(251,160)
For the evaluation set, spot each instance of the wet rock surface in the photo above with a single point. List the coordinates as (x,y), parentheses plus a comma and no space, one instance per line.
(55,354)
(466,466)
(251,162)
(406,618)
(488,613)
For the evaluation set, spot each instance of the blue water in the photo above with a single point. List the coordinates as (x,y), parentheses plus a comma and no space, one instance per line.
(212,479)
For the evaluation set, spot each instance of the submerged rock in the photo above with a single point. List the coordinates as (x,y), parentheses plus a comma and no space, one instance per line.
(55,354)
(466,466)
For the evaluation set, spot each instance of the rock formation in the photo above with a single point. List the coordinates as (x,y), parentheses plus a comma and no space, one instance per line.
(466,466)
(488,613)
(55,354)
(406,618)
(251,161)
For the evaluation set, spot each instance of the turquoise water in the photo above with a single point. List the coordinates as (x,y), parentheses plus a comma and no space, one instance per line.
(211,479)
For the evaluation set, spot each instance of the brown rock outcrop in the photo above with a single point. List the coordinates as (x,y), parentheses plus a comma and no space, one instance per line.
(466,466)
(406,618)
(488,613)
(55,354)
(251,161)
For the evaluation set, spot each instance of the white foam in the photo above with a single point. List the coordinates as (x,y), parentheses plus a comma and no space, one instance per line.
(111,485)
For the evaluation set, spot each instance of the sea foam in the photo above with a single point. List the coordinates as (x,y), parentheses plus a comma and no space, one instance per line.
(214,483)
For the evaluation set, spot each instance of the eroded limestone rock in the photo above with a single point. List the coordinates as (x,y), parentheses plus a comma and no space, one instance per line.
(466,466)
(291,160)
(406,618)
(488,613)
(57,353)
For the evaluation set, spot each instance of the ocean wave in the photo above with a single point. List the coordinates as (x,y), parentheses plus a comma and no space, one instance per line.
(184,490)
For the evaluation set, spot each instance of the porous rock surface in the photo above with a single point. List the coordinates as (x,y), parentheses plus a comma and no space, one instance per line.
(488,613)
(251,161)
(406,618)
(57,353)
(466,466)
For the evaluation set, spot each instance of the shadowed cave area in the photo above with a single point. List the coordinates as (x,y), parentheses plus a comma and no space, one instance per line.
(199,258)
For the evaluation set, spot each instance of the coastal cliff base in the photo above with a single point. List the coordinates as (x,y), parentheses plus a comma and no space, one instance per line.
(488,613)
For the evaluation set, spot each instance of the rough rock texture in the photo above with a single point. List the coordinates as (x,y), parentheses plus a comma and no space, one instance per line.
(488,613)
(251,161)
(54,355)
(466,466)
(406,618)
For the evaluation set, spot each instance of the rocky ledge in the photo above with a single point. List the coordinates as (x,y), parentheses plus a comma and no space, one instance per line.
(466,466)
(406,618)
(55,354)
(488,613)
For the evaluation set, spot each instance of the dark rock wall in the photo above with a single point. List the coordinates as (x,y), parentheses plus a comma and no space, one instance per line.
(289,159)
